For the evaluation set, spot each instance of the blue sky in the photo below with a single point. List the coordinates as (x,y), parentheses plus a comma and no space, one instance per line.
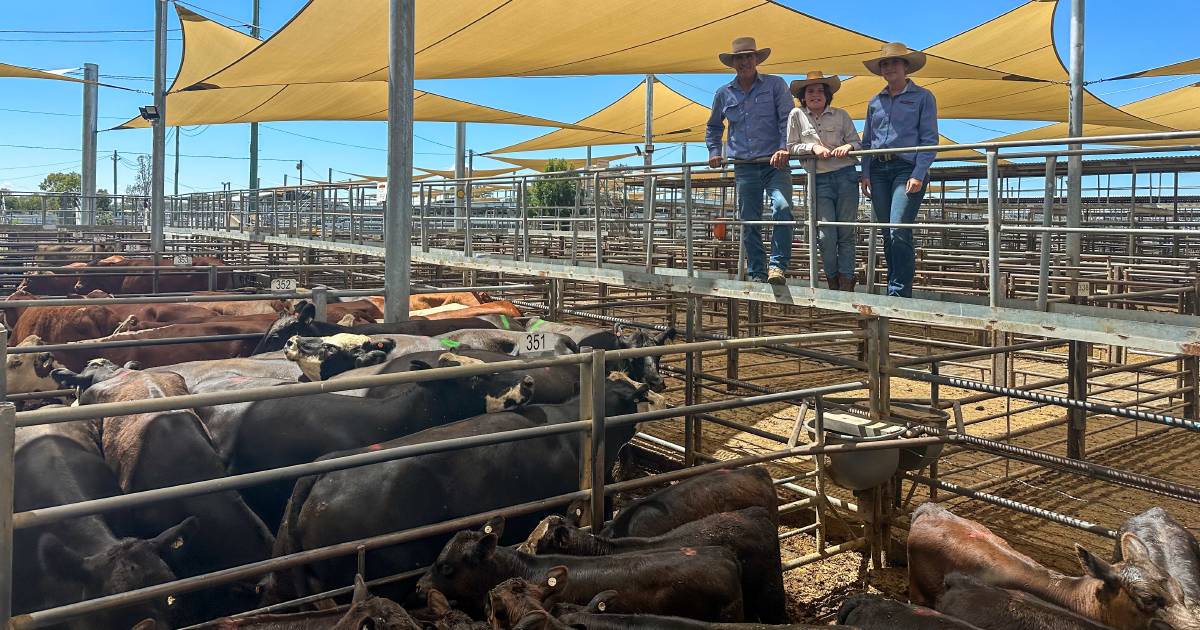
(1122,37)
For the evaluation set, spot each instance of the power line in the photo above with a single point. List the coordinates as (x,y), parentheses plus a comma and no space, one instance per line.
(80,41)
(13,168)
(84,32)
(354,146)
(210,157)
(236,21)
(30,111)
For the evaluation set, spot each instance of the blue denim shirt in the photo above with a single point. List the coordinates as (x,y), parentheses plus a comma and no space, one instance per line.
(757,119)
(908,119)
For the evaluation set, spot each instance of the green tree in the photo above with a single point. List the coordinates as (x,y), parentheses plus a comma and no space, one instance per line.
(554,193)
(61,183)
(141,181)
(103,201)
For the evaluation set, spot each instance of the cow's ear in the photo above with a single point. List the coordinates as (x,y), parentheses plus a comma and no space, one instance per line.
(383,345)
(1133,549)
(601,602)
(494,526)
(361,594)
(437,602)
(556,580)
(306,312)
(642,393)
(58,559)
(172,541)
(374,357)
(418,364)
(1098,568)
(485,547)
(664,336)
(67,378)
(132,365)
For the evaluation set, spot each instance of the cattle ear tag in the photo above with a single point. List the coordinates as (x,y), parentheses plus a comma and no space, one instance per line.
(170,600)
(487,529)
(552,581)
(578,512)
(601,606)
(177,543)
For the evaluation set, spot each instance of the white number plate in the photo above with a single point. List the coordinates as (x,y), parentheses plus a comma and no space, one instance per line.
(533,342)
(283,284)
(182,260)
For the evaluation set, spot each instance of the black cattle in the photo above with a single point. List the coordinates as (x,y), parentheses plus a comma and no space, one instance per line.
(995,608)
(1172,547)
(596,616)
(512,342)
(81,558)
(691,499)
(401,494)
(750,533)
(374,613)
(161,449)
(621,337)
(302,322)
(700,582)
(875,612)
(278,432)
(554,384)
(321,358)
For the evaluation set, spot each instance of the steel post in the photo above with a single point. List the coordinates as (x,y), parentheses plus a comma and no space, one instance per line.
(648,153)
(8,427)
(460,168)
(688,235)
(692,365)
(398,246)
(878,368)
(159,150)
(993,225)
(872,258)
(87,181)
(596,206)
(585,415)
(810,193)
(1047,221)
(1075,130)
(597,434)
(1077,385)
(253,187)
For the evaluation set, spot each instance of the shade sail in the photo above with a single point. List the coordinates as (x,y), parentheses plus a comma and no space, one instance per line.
(1191,66)
(541,164)
(209,45)
(1178,109)
(479,172)
(333,40)
(21,72)
(1020,41)
(676,119)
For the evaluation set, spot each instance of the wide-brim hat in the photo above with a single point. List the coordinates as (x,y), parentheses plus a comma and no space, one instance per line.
(815,76)
(897,50)
(741,46)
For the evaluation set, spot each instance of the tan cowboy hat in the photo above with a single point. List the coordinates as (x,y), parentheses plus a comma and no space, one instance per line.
(815,76)
(897,50)
(744,45)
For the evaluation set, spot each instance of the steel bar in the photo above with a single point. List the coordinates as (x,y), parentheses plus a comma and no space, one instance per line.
(1075,129)
(87,192)
(993,227)
(1047,221)
(159,144)
(8,423)
(397,235)
(980,352)
(810,193)
(827,552)
(597,435)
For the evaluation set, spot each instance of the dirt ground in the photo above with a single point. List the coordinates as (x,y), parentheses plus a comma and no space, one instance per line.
(816,590)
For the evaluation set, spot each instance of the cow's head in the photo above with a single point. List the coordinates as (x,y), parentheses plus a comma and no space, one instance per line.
(368,612)
(1135,590)
(643,369)
(622,395)
(465,569)
(126,565)
(28,373)
(501,391)
(515,599)
(96,371)
(554,534)
(300,322)
(322,358)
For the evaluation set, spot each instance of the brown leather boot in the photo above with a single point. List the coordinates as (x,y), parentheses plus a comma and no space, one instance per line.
(846,282)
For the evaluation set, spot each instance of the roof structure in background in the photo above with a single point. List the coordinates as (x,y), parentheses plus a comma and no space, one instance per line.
(332,41)
(1021,40)
(208,45)
(573,163)
(676,119)
(479,172)
(21,72)
(1178,109)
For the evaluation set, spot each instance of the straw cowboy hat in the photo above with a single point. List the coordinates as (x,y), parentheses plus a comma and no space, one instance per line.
(744,45)
(815,76)
(897,50)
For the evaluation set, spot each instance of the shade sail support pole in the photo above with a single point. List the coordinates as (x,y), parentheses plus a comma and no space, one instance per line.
(648,160)
(1075,129)
(158,160)
(397,241)
(87,183)
(253,187)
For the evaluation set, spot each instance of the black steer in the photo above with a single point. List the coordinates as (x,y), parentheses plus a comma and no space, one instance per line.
(750,533)
(595,616)
(302,322)
(401,494)
(995,608)
(695,498)
(874,612)
(699,582)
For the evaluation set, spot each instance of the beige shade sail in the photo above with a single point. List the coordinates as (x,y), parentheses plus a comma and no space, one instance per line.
(1020,41)
(1191,66)
(541,164)
(333,40)
(208,45)
(676,119)
(1178,109)
(21,72)
(479,172)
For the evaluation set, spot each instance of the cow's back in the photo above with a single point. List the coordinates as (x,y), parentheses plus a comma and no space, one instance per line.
(695,498)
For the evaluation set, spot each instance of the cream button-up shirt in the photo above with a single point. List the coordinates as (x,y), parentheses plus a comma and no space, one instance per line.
(831,129)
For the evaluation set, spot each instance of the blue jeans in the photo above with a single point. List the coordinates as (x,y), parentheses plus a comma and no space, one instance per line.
(837,200)
(752,180)
(893,205)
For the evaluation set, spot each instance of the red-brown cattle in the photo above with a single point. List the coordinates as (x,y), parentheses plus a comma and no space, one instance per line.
(169,280)
(499,307)
(57,324)
(152,356)
(1126,595)
(51,283)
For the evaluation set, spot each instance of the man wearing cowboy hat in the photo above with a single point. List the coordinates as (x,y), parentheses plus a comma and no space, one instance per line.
(816,129)
(904,114)
(756,108)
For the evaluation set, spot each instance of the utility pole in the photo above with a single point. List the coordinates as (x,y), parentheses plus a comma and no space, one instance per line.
(254,32)
(114,159)
(398,215)
(87,183)
(460,171)
(158,156)
(300,167)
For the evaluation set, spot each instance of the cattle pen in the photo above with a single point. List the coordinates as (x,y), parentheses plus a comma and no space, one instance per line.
(1048,360)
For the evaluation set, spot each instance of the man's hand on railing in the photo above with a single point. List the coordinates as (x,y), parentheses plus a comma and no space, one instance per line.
(842,151)
(779,158)
(715,161)
(821,151)
(865,184)
(914,185)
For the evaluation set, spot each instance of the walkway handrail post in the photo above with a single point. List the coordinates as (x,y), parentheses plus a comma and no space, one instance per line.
(689,236)
(8,437)
(810,193)
(596,205)
(1047,221)
(585,415)
(872,258)
(993,224)
(597,457)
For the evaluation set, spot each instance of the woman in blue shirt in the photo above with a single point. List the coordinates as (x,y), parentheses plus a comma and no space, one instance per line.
(904,114)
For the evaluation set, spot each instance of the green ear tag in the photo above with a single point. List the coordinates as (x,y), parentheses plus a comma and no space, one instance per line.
(450,343)
(504,322)
(536,325)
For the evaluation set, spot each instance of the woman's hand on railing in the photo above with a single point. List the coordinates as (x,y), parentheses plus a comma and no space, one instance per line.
(842,151)
(821,151)
(779,159)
